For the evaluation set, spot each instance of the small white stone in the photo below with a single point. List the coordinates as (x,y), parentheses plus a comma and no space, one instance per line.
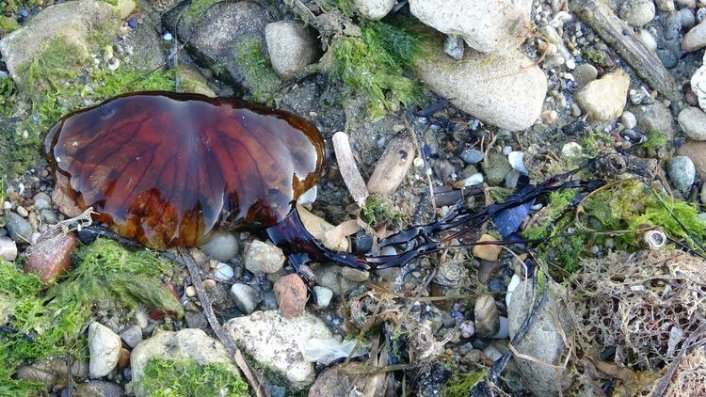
(693,121)
(21,211)
(629,120)
(475,179)
(8,249)
(323,296)
(516,160)
(104,350)
(167,37)
(604,99)
(190,291)
(647,39)
(223,272)
(245,297)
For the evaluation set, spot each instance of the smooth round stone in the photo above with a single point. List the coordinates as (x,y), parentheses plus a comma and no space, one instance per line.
(682,173)
(629,120)
(471,156)
(638,12)
(42,201)
(223,272)
(223,246)
(584,74)
(18,228)
(245,297)
(693,121)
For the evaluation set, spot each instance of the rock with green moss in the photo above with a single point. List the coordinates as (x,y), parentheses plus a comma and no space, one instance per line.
(188,344)
(147,53)
(495,167)
(79,24)
(176,378)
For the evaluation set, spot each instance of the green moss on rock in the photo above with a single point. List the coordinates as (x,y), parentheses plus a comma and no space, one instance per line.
(176,378)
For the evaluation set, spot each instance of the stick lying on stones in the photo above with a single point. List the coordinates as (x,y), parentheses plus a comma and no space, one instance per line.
(616,33)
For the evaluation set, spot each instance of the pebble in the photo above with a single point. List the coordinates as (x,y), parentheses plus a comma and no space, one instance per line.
(638,12)
(604,99)
(392,167)
(695,38)
(222,246)
(629,120)
(131,335)
(21,211)
(453,47)
(49,216)
(309,196)
(514,282)
(687,18)
(516,160)
(487,318)
(291,295)
(451,273)
(647,39)
(374,9)
(475,179)
(18,228)
(698,86)
(654,117)
(104,350)
(503,330)
(471,156)
(8,249)
(495,167)
(323,296)
(223,272)
(488,252)
(584,74)
(322,230)
(261,257)
(132,23)
(512,178)
(354,275)
(291,47)
(245,297)
(682,173)
(167,37)
(51,257)
(571,149)
(693,121)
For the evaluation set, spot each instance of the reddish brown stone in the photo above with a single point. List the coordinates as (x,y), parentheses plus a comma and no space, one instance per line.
(290,292)
(124,359)
(51,257)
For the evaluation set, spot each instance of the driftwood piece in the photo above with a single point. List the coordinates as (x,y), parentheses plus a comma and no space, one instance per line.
(616,33)
(349,170)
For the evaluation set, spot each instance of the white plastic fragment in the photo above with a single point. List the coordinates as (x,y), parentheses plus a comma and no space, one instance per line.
(514,282)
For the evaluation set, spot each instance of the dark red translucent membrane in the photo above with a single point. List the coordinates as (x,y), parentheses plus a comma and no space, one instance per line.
(166,169)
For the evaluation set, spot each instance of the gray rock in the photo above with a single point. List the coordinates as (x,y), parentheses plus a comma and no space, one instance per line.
(42,201)
(131,335)
(222,246)
(8,250)
(487,26)
(188,343)
(48,216)
(543,341)
(693,121)
(638,12)
(104,350)
(291,47)
(223,272)
(682,173)
(18,228)
(472,156)
(695,38)
(277,343)
(495,167)
(374,9)
(506,90)
(604,99)
(216,35)
(263,257)
(451,273)
(354,275)
(629,120)
(75,22)
(245,297)
(584,74)
(655,117)
(453,47)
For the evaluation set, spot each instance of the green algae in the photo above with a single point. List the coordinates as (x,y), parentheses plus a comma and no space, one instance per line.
(176,378)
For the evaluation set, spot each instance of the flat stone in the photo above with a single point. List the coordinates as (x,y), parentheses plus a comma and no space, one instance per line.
(131,335)
(291,294)
(506,90)
(393,165)
(695,38)
(488,252)
(18,228)
(604,99)
(291,47)
(104,350)
(486,26)
(277,342)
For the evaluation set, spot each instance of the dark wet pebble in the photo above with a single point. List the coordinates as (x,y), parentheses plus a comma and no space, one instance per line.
(133,23)
(362,242)
(496,285)
(18,228)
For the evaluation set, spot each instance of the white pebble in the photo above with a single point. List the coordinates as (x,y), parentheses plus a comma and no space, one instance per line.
(516,160)
(418,162)
(571,149)
(514,282)
(323,296)
(8,249)
(22,211)
(167,37)
(475,179)
(223,272)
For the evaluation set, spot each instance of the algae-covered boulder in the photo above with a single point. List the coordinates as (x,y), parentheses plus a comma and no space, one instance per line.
(77,25)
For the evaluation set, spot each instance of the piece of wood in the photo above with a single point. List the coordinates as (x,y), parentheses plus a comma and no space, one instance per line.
(621,37)
(349,169)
